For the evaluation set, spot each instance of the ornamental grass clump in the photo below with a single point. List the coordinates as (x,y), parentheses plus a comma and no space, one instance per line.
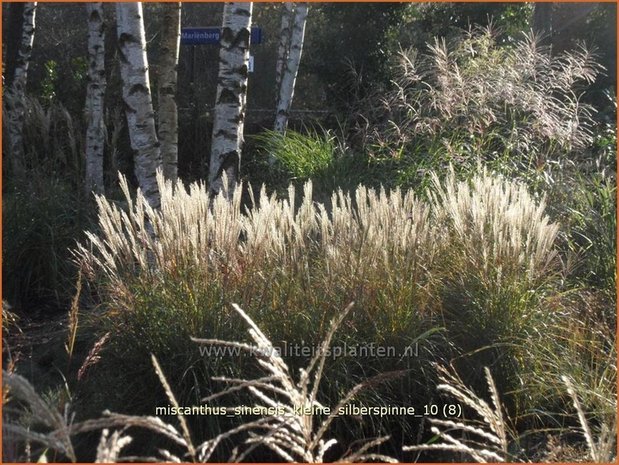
(517,107)
(399,257)
(166,275)
(475,259)
(496,229)
(498,261)
(522,95)
(277,253)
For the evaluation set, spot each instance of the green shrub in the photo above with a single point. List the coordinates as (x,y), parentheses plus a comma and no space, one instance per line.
(318,155)
(41,223)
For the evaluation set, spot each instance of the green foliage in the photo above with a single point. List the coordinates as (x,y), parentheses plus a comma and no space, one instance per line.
(581,192)
(299,156)
(40,224)
(593,215)
(599,32)
(366,36)
(48,85)
(319,155)
(80,69)
(437,19)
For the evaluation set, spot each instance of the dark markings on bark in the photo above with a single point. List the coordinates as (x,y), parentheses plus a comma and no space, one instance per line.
(234,40)
(127,38)
(224,134)
(228,96)
(94,16)
(242,12)
(227,36)
(229,161)
(138,88)
(121,55)
(128,108)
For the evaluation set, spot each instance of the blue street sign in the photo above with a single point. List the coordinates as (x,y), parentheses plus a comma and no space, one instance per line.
(210,35)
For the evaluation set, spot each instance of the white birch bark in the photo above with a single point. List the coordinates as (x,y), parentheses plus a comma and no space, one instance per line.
(16,96)
(229,112)
(137,98)
(291,69)
(95,93)
(166,88)
(283,48)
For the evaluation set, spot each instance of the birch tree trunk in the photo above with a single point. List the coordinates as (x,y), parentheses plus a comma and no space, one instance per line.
(283,49)
(229,112)
(166,88)
(291,69)
(95,93)
(11,41)
(16,106)
(137,98)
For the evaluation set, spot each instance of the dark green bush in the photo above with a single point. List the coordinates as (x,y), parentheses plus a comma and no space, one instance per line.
(41,222)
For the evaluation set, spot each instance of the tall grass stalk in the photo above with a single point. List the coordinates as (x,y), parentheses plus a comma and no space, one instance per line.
(484,439)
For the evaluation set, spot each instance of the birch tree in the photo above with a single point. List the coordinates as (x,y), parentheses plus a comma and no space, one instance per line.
(137,98)
(166,88)
(229,112)
(289,76)
(283,48)
(95,92)
(15,99)
(11,41)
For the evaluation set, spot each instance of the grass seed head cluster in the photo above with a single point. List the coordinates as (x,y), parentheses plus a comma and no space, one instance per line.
(360,245)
